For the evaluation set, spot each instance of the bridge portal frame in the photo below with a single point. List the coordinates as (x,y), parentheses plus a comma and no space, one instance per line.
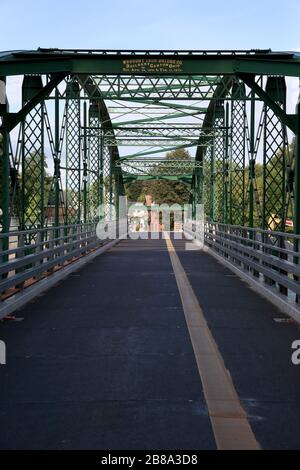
(150,77)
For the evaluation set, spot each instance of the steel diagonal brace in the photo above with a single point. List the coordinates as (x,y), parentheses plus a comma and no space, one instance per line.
(94,93)
(289,120)
(208,121)
(11,120)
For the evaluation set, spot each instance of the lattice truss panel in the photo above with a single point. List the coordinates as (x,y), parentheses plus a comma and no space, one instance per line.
(275,196)
(157,136)
(208,195)
(33,169)
(274,171)
(33,186)
(237,185)
(197,188)
(158,167)
(95,169)
(108,180)
(159,87)
(73,155)
(147,113)
(218,169)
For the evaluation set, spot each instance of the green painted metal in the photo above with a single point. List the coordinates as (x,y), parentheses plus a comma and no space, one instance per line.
(4,166)
(218,162)
(73,197)
(288,120)
(95,168)
(44,61)
(85,165)
(237,163)
(274,159)
(137,122)
(33,158)
(243,173)
(157,167)
(172,105)
(153,152)
(252,162)
(57,163)
(13,119)
(297,180)
(4,187)
(226,167)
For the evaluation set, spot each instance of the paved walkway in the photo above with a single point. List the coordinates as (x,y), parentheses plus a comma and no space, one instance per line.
(104,360)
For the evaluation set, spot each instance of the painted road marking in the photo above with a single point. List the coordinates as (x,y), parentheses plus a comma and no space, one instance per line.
(228,418)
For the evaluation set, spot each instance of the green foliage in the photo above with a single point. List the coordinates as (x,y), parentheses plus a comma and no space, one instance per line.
(272,187)
(36,189)
(162,191)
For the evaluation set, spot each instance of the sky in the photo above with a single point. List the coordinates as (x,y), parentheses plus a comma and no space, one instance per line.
(156,24)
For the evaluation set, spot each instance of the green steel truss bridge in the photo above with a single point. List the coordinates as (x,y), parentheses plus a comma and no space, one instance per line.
(83,107)
(83,123)
(133,351)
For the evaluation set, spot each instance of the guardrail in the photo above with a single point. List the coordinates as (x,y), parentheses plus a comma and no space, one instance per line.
(30,255)
(270,257)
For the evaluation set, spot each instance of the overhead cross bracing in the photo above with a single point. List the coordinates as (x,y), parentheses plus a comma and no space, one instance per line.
(158,168)
(95,111)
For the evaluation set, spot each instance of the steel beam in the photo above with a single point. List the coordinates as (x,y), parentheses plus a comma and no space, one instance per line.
(148,62)
(289,120)
(13,119)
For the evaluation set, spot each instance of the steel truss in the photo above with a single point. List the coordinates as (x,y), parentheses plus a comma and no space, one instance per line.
(158,167)
(228,107)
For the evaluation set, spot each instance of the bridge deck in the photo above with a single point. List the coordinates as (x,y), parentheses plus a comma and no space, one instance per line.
(104,359)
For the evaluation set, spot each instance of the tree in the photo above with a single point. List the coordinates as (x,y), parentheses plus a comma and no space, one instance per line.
(162,191)
(33,197)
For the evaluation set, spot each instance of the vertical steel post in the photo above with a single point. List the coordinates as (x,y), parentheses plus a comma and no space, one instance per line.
(85,160)
(252,161)
(56,161)
(95,163)
(274,158)
(212,183)
(219,158)
(226,166)
(237,160)
(111,176)
(297,181)
(73,154)
(33,157)
(101,171)
(297,192)
(117,190)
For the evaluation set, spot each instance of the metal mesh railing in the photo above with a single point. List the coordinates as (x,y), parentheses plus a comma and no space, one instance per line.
(271,257)
(34,254)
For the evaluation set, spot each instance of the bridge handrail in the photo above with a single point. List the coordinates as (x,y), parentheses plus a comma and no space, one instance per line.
(269,257)
(26,256)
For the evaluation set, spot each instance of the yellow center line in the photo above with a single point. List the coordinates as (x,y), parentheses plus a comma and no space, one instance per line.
(228,418)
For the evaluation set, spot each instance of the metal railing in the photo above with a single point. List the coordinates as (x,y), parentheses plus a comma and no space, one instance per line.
(30,255)
(270,257)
